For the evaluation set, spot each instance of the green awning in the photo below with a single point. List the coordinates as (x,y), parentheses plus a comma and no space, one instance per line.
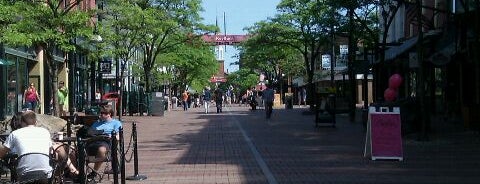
(6,62)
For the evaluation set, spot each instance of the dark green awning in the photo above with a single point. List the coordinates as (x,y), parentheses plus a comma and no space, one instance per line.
(6,62)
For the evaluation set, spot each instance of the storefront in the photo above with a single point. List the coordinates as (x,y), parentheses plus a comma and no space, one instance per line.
(19,69)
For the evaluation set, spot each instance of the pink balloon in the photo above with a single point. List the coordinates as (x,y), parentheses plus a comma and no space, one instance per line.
(390,94)
(395,81)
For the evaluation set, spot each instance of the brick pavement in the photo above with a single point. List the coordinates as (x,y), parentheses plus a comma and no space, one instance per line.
(240,146)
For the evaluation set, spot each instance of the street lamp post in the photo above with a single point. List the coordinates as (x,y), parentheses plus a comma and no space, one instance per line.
(71,86)
(117,75)
(97,39)
(129,86)
(282,96)
(100,75)
(120,88)
(332,60)
(3,91)
(92,82)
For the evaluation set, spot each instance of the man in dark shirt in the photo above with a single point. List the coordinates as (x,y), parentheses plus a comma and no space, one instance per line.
(268,98)
(219,99)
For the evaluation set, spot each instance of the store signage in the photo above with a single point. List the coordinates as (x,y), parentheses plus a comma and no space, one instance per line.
(384,135)
(105,66)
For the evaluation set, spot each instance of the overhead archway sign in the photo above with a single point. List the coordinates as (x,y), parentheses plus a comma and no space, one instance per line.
(224,39)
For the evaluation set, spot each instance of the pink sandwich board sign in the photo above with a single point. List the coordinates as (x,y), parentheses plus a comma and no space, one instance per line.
(383,139)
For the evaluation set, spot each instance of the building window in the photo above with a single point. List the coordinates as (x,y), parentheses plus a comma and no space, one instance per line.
(16,83)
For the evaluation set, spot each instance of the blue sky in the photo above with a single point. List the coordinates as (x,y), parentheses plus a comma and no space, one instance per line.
(239,14)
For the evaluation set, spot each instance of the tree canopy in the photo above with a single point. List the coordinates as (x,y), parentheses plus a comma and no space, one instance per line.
(46,26)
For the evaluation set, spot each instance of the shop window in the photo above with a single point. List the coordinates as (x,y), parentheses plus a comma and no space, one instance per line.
(16,84)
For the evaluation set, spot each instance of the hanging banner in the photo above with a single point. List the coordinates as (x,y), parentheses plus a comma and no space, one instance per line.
(384,136)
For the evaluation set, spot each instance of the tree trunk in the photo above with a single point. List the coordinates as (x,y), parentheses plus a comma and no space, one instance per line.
(311,86)
(52,73)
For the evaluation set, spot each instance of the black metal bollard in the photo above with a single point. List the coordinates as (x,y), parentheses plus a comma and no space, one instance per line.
(114,157)
(136,176)
(122,156)
(81,160)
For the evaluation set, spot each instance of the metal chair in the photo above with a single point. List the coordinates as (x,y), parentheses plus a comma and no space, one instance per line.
(60,165)
(89,159)
(36,177)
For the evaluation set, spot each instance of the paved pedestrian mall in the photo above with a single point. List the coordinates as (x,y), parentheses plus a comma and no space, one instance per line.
(241,146)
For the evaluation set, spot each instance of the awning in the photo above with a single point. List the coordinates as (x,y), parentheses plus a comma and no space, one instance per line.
(395,51)
(6,62)
(298,82)
(445,48)
(336,77)
(444,55)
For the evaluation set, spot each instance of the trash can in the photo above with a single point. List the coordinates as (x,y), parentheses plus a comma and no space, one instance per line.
(331,105)
(288,100)
(157,104)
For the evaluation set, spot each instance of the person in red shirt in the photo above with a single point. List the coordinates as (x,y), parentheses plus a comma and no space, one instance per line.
(31,97)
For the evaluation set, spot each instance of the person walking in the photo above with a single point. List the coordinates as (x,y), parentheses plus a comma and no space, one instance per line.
(98,96)
(62,93)
(185,100)
(218,99)
(174,102)
(207,96)
(252,98)
(268,98)
(304,96)
(31,97)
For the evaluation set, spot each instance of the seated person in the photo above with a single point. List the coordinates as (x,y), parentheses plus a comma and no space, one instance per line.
(104,127)
(32,144)
(17,122)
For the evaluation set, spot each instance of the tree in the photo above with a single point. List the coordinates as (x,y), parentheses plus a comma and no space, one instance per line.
(166,25)
(46,26)
(194,64)
(301,25)
(255,53)
(358,20)
(121,25)
(242,79)
(271,59)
